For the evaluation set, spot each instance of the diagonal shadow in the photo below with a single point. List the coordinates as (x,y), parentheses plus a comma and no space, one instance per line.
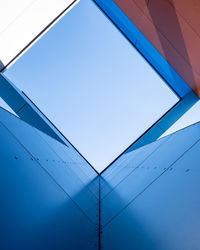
(156,19)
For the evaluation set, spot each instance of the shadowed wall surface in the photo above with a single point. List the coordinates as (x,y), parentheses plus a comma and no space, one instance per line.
(48,198)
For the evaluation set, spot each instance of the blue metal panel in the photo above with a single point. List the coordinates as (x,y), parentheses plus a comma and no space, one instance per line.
(118,172)
(149,201)
(157,205)
(136,37)
(178,111)
(159,128)
(28,112)
(62,171)
(8,92)
(166,122)
(76,163)
(151,135)
(44,204)
(18,102)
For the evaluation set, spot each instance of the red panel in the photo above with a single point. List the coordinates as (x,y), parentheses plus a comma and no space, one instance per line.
(175,59)
(142,4)
(133,11)
(189,10)
(163,15)
(167,24)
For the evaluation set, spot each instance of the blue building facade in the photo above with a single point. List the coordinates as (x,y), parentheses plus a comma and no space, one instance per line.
(148,198)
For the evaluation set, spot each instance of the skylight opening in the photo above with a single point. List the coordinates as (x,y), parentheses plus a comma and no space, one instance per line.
(92,84)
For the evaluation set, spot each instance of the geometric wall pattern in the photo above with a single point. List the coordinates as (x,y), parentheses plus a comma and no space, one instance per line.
(51,197)
(149,199)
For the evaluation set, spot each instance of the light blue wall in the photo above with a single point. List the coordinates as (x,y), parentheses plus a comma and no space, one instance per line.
(48,198)
(150,199)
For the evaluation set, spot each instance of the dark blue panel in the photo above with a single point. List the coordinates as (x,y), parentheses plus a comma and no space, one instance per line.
(44,204)
(9,94)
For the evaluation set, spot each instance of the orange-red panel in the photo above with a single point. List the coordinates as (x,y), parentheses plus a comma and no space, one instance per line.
(164,16)
(175,59)
(173,27)
(189,10)
(132,10)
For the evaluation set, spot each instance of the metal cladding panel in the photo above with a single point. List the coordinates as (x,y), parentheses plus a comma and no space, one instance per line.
(62,169)
(45,205)
(120,170)
(28,112)
(172,26)
(156,206)
(9,94)
(190,11)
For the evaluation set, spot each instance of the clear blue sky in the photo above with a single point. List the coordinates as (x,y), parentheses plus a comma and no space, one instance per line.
(92,84)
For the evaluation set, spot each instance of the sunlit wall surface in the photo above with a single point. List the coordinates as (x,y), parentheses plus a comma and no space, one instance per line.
(92,84)
(150,199)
